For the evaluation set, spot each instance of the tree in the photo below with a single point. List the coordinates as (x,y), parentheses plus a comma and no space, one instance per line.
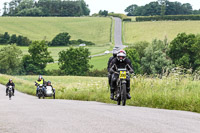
(133,55)
(36,62)
(74,61)
(156,60)
(62,39)
(184,51)
(10,60)
(13,39)
(163,6)
(103,13)
(23,41)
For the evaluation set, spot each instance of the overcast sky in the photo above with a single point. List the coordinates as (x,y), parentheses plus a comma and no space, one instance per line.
(118,6)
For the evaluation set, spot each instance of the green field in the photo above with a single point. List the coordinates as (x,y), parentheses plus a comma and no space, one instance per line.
(95,29)
(99,62)
(147,31)
(175,92)
(55,50)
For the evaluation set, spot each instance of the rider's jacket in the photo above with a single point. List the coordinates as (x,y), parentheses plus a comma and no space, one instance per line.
(116,64)
(8,84)
(39,82)
(109,61)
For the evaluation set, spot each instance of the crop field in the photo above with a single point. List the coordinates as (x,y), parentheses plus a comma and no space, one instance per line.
(175,92)
(147,31)
(95,29)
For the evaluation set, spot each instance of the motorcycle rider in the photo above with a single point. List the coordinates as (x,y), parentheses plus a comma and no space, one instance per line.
(115,51)
(120,62)
(38,82)
(10,83)
(49,84)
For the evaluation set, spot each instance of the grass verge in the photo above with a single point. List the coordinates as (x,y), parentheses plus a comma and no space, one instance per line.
(173,92)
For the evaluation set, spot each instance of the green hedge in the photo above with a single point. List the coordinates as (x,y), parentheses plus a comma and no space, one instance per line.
(122,16)
(168,17)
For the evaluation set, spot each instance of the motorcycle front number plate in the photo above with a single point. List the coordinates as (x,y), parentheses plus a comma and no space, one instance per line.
(122,75)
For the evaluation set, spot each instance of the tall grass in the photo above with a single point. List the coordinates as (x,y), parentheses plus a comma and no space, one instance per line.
(176,92)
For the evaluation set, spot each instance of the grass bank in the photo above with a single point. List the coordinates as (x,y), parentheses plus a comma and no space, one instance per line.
(173,92)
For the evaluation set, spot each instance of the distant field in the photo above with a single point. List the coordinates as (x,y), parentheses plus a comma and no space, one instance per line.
(95,29)
(147,31)
(55,50)
(99,62)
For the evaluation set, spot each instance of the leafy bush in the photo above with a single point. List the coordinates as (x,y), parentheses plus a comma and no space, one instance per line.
(62,39)
(79,41)
(74,61)
(155,59)
(10,60)
(184,51)
(168,17)
(122,16)
(36,62)
(133,55)
(98,73)
(4,38)
(20,40)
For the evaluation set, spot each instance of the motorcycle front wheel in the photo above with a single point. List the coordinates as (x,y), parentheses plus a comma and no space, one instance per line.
(123,94)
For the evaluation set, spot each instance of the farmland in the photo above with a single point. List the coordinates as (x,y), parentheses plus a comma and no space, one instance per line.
(147,31)
(95,29)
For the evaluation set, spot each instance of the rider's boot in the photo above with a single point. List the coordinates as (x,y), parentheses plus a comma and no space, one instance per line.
(128,93)
(112,93)
(6,94)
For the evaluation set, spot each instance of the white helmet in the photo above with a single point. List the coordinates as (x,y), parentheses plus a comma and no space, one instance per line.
(121,56)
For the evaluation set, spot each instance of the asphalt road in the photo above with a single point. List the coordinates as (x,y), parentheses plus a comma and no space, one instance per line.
(118,32)
(27,114)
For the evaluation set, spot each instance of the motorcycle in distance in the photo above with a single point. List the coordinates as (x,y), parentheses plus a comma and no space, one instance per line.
(120,93)
(40,91)
(10,92)
(49,92)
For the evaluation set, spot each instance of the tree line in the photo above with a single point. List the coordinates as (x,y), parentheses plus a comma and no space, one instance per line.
(159,57)
(161,7)
(46,8)
(61,39)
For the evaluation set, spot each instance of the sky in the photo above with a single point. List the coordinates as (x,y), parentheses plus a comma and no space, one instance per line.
(118,6)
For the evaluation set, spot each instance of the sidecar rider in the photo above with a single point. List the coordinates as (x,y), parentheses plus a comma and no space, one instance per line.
(49,84)
(38,82)
(10,83)
(115,51)
(120,62)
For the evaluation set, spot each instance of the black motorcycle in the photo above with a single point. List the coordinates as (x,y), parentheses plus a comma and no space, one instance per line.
(40,92)
(120,91)
(10,92)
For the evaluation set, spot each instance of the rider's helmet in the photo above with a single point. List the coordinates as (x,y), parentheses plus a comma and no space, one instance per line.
(40,77)
(115,51)
(10,80)
(121,56)
(49,83)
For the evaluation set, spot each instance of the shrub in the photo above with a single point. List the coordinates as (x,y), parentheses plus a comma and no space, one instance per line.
(62,39)
(184,51)
(74,61)
(168,17)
